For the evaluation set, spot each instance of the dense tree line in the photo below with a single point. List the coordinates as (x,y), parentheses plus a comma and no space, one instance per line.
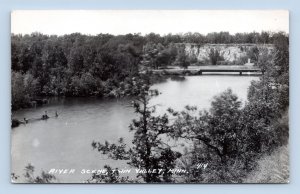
(100,65)
(72,65)
(213,38)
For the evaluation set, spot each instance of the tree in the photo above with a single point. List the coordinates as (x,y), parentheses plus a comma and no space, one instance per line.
(281,62)
(269,97)
(17,90)
(229,137)
(182,60)
(23,89)
(110,176)
(253,54)
(264,37)
(30,177)
(151,54)
(215,135)
(149,151)
(215,56)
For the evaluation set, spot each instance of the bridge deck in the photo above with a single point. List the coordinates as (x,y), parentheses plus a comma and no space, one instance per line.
(198,70)
(240,71)
(230,70)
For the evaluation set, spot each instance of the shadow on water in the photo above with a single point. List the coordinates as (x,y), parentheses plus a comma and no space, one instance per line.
(177,78)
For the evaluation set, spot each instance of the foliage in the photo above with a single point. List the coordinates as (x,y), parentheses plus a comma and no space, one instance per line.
(230,138)
(111,176)
(23,88)
(216,138)
(215,57)
(182,60)
(31,178)
(253,54)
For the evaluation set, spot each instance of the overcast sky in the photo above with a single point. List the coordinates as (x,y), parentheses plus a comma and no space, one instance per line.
(146,21)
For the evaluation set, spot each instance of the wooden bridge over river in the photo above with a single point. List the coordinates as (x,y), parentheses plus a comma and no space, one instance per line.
(240,71)
(208,70)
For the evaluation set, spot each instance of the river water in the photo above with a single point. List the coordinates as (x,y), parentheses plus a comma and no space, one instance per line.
(65,142)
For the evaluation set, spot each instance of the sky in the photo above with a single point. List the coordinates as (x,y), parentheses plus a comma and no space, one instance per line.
(92,22)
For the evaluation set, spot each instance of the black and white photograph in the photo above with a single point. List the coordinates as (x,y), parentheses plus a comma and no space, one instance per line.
(150,96)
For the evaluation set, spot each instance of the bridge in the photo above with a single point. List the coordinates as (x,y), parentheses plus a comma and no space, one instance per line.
(231,70)
(200,70)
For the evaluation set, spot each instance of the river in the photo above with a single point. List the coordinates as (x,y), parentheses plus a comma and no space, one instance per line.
(65,142)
